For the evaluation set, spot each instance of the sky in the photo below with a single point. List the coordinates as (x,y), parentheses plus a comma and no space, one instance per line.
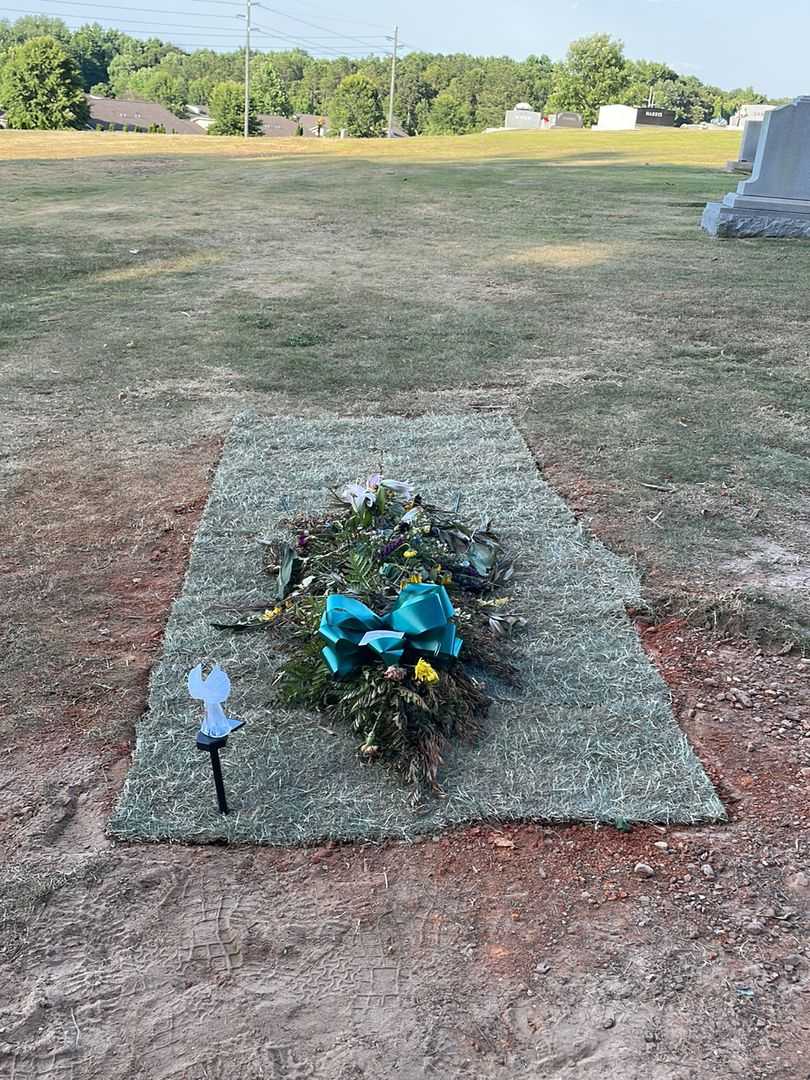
(725,43)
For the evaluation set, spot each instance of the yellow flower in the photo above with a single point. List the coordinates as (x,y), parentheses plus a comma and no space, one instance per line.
(424,672)
(409,554)
(270,614)
(414,579)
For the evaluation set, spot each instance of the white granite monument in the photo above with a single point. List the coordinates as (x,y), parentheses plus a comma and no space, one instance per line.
(776,200)
(522,117)
(752,130)
(750,112)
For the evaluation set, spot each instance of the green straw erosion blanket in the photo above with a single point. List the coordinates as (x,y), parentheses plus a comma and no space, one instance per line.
(587,735)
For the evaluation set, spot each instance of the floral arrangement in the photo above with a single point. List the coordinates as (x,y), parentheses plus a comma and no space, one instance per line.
(389,614)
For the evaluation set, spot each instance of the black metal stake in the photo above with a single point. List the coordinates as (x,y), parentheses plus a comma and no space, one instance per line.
(212,747)
(216,768)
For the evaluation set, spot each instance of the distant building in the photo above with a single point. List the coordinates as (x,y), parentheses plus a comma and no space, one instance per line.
(120,114)
(628,118)
(199,115)
(281,127)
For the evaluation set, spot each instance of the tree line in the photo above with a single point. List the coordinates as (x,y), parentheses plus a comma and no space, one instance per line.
(46,69)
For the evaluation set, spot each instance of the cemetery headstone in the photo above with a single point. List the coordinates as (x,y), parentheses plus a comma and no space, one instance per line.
(654,117)
(750,112)
(776,200)
(628,117)
(522,116)
(565,120)
(752,130)
(616,118)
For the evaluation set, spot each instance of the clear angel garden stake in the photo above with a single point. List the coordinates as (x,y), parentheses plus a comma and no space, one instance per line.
(213,691)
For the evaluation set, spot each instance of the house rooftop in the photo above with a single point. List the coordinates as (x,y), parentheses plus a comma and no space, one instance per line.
(120,113)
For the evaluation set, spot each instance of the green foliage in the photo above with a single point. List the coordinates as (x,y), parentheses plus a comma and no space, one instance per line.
(594,73)
(157,84)
(404,723)
(268,91)
(31,26)
(227,107)
(402,714)
(447,116)
(40,86)
(134,56)
(93,48)
(356,107)
(199,90)
(688,97)
(477,90)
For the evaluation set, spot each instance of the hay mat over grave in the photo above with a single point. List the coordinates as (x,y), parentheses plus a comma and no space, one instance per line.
(588,734)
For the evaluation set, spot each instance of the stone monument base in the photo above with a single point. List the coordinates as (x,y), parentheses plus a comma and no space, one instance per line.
(741,215)
(739,166)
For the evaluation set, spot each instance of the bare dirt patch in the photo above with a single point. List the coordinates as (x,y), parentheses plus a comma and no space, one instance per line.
(497,952)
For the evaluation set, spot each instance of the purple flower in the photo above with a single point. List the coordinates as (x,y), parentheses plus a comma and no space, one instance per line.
(391,546)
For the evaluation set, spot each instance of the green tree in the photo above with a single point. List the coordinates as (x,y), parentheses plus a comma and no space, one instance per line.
(593,74)
(31,26)
(156,84)
(687,97)
(412,91)
(93,47)
(227,107)
(269,92)
(538,72)
(447,116)
(290,66)
(199,90)
(40,87)
(134,56)
(356,107)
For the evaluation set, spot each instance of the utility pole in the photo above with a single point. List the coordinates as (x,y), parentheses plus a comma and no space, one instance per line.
(248,6)
(393,83)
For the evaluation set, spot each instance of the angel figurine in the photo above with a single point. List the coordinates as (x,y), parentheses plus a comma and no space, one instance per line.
(213,690)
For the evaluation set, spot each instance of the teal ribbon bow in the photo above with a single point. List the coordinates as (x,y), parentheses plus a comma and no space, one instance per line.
(420,620)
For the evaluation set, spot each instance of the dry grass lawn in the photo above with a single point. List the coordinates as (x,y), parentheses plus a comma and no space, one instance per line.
(150,288)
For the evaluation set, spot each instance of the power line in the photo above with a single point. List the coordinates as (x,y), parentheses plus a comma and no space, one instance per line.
(146,11)
(343,18)
(130,22)
(112,7)
(305,41)
(216,30)
(150,27)
(304,22)
(153,20)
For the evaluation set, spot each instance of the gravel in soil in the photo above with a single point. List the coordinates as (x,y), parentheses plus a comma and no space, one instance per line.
(514,952)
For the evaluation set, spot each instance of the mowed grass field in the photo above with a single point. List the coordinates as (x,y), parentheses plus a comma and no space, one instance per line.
(151,287)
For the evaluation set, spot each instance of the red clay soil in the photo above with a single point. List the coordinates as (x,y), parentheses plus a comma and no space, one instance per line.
(520,951)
